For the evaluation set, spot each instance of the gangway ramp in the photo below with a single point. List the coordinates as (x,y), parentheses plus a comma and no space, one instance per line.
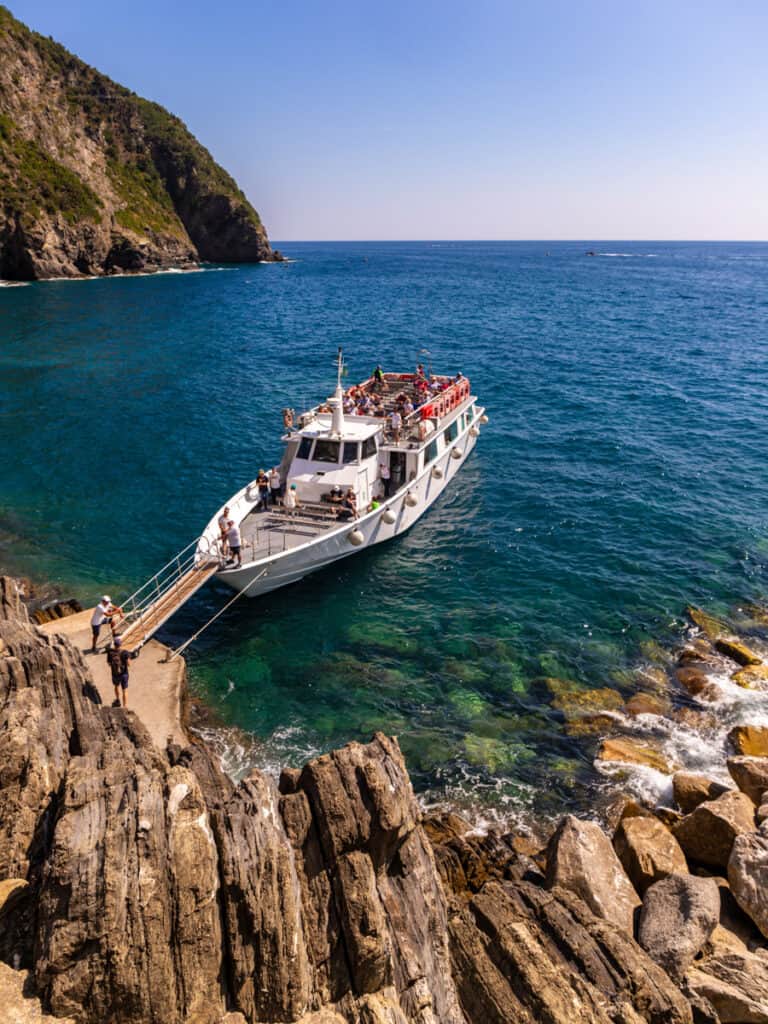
(160,597)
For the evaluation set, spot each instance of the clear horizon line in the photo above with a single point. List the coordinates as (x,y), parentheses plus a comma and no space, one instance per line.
(396,241)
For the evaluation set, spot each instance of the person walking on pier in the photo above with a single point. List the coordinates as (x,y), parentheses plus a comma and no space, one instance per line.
(118,659)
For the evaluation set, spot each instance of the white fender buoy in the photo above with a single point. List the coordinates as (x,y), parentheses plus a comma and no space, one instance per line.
(388,516)
(455,453)
(411,499)
(437,472)
(483,419)
(474,431)
(356,538)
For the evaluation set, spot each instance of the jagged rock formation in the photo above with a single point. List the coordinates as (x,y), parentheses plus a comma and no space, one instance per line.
(140,886)
(96,180)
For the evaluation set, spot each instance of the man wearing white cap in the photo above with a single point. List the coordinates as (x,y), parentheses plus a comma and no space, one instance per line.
(100,615)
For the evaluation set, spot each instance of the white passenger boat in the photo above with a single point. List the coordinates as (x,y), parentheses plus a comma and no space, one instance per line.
(330,451)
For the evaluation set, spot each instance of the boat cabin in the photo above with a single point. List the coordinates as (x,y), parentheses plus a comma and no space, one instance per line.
(317,459)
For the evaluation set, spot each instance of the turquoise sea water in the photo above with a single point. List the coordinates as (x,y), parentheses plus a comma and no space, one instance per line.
(622,475)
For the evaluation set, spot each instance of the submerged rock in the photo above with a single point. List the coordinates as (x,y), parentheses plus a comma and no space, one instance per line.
(707,834)
(585,711)
(679,914)
(580,858)
(711,626)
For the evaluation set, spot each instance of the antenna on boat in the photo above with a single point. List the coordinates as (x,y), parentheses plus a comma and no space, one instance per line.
(337,402)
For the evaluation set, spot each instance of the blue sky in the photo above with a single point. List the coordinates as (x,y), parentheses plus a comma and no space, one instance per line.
(472,120)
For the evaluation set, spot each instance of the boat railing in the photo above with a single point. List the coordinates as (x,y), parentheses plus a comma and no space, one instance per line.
(198,553)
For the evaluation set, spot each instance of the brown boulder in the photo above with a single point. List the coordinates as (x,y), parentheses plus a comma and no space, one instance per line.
(707,834)
(648,851)
(580,858)
(748,877)
(627,750)
(737,652)
(751,740)
(691,789)
(751,775)
(679,914)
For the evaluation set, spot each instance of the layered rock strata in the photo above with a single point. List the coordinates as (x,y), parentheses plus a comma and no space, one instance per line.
(140,885)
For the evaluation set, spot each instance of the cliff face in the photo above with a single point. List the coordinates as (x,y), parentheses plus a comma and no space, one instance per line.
(140,886)
(96,180)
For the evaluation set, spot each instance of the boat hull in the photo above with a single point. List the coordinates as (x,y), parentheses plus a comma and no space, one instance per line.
(407,506)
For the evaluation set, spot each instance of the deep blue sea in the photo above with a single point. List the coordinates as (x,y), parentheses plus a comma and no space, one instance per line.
(622,476)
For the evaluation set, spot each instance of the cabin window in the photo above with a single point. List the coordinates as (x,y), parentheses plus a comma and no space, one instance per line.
(431,453)
(304,448)
(451,432)
(369,447)
(350,452)
(326,451)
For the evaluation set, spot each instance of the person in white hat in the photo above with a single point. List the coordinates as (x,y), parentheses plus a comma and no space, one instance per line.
(100,615)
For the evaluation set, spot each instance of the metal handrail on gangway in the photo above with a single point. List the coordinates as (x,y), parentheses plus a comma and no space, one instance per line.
(156,600)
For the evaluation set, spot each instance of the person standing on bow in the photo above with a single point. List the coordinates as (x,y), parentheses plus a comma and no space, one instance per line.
(262,482)
(275,485)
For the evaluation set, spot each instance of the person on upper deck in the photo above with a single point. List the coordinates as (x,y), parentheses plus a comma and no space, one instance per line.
(378,376)
(395,422)
(407,407)
(420,371)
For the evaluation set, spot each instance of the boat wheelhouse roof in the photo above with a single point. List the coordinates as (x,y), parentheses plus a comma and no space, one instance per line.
(356,428)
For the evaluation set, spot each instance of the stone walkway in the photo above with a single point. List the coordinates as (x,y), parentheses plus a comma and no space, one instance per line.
(155,686)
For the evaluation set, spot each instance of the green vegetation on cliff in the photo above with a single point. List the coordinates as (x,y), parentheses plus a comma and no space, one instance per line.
(31,180)
(94,178)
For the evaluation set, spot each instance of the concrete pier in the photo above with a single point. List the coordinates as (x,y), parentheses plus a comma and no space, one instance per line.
(156,686)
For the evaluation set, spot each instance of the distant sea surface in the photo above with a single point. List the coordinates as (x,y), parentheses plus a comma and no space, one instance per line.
(622,476)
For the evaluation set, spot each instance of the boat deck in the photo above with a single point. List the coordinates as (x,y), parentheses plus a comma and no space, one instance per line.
(268,533)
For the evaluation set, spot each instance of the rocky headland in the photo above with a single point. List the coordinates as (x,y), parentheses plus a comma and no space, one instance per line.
(96,180)
(140,884)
